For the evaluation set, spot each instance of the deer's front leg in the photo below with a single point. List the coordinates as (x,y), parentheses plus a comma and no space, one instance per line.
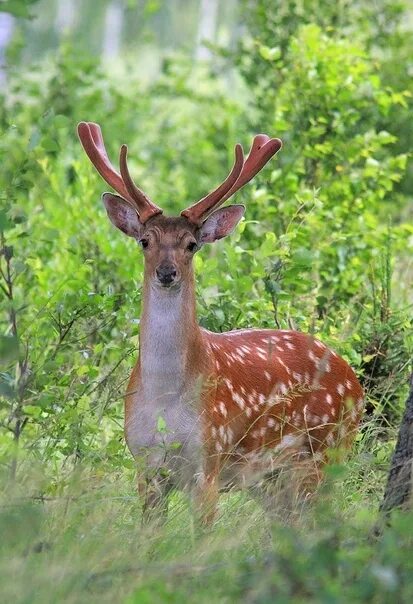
(153,486)
(153,493)
(206,493)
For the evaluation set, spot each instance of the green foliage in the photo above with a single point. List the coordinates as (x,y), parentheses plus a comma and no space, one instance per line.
(326,248)
(18,8)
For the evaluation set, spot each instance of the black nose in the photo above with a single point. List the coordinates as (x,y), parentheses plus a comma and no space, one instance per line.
(166,274)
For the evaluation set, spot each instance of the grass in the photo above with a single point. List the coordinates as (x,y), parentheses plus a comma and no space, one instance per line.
(84,542)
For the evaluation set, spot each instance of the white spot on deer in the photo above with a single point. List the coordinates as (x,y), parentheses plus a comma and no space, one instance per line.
(228,384)
(240,353)
(263,430)
(349,385)
(323,365)
(279,348)
(230,436)
(297,376)
(218,447)
(267,375)
(287,336)
(261,399)
(213,432)
(248,412)
(333,411)
(360,403)
(238,400)
(312,356)
(329,399)
(262,355)
(307,377)
(283,388)
(319,344)
(296,419)
(340,389)
(290,346)
(314,419)
(289,440)
(325,419)
(221,431)
(256,408)
(274,399)
(271,422)
(223,409)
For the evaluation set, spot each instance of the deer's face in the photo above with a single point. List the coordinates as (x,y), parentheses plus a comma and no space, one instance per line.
(169,244)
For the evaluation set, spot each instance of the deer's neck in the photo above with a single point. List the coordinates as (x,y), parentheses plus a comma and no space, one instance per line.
(169,338)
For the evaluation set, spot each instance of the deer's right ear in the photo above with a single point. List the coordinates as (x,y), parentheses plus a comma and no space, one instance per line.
(122,215)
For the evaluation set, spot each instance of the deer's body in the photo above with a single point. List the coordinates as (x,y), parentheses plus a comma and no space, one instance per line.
(250,398)
(217,410)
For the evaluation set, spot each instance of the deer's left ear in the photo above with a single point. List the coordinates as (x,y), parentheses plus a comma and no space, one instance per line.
(221,223)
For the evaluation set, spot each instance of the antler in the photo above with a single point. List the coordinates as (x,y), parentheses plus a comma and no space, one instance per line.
(262,149)
(90,136)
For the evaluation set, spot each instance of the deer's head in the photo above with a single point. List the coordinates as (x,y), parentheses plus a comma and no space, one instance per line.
(169,244)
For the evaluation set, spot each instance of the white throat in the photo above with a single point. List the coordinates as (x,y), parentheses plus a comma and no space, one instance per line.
(163,342)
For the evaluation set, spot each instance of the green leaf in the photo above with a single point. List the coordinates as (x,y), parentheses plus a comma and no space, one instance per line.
(5,222)
(161,424)
(9,349)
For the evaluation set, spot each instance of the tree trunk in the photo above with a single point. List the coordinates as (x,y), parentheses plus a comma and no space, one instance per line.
(398,493)
(66,15)
(206,28)
(6,32)
(112,35)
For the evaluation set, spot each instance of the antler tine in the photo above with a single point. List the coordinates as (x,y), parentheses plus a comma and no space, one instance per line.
(262,149)
(90,135)
(199,211)
(146,208)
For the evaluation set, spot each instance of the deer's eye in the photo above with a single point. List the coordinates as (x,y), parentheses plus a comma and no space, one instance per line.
(191,247)
(144,243)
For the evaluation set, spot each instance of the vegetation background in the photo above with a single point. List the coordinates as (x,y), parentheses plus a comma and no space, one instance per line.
(326,247)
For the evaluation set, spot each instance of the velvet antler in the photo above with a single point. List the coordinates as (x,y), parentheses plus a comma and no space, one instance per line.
(262,149)
(90,136)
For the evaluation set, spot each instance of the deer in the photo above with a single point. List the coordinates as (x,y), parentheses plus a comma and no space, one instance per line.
(206,412)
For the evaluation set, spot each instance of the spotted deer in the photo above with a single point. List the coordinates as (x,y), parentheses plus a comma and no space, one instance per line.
(209,411)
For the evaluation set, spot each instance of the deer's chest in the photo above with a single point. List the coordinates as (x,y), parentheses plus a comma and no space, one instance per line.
(163,425)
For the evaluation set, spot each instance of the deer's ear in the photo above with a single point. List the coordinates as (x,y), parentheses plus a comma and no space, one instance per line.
(122,215)
(221,223)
